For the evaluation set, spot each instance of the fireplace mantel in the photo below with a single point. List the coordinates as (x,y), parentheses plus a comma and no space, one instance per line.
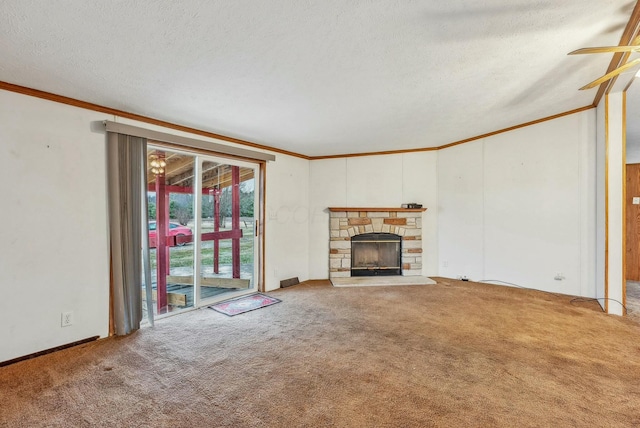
(345,223)
(376,209)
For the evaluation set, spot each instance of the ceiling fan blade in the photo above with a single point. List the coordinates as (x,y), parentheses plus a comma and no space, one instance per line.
(605,49)
(612,74)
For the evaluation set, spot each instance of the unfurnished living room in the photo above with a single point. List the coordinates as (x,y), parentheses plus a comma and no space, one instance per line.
(319,213)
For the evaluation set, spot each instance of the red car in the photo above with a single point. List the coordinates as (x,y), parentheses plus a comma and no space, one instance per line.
(175,229)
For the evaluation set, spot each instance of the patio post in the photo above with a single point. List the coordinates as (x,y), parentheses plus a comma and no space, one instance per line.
(235,219)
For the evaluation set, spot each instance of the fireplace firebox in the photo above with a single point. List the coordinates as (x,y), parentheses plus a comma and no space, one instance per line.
(376,254)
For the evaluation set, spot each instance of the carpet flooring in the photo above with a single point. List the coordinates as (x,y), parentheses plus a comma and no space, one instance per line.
(452,354)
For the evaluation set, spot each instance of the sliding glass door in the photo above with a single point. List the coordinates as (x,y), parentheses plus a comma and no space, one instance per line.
(227,228)
(202,228)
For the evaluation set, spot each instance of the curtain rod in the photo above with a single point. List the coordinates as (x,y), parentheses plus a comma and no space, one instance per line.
(136,131)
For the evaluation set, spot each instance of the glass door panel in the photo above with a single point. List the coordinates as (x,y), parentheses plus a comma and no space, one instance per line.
(227,234)
(170,202)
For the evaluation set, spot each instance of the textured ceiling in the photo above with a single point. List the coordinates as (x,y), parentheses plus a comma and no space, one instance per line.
(316,77)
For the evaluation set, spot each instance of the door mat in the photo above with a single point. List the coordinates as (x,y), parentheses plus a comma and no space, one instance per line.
(244,304)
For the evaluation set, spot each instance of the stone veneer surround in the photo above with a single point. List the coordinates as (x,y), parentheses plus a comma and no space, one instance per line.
(347,222)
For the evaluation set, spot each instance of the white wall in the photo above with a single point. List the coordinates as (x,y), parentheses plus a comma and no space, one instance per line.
(615,202)
(461,211)
(601,160)
(327,188)
(371,181)
(632,132)
(517,207)
(53,252)
(287,224)
(633,152)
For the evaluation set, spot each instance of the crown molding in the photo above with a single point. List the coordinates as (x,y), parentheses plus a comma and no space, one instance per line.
(456,143)
(102,109)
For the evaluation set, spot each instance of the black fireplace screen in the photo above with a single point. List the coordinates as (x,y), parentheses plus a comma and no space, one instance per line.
(376,254)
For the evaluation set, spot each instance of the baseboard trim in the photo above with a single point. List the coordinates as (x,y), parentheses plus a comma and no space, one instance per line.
(48,351)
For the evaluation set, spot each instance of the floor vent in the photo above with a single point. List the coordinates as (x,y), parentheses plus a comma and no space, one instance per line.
(289,282)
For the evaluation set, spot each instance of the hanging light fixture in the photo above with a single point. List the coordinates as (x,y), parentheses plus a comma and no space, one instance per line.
(157,164)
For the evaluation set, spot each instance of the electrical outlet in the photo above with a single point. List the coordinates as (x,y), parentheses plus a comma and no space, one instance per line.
(67,319)
(445,264)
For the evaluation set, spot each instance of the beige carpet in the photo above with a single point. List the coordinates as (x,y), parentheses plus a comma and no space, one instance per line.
(378,281)
(454,354)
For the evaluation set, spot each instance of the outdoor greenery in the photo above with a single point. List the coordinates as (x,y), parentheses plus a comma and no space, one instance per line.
(181,205)
(246,202)
(183,256)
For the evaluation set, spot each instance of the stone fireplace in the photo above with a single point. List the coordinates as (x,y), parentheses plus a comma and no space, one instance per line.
(345,223)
